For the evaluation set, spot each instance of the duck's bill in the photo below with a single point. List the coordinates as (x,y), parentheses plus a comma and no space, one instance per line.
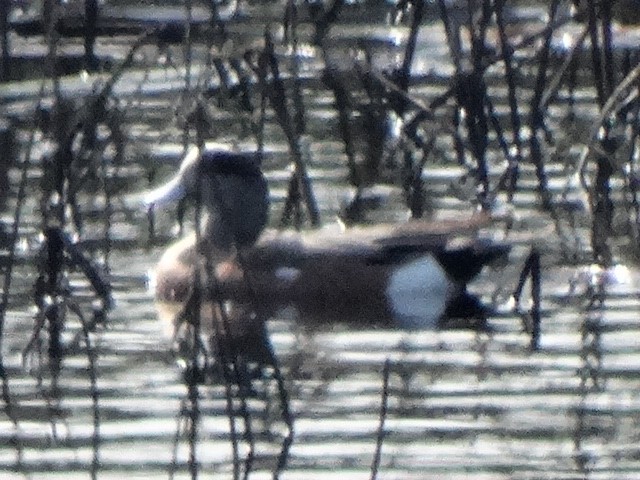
(167,193)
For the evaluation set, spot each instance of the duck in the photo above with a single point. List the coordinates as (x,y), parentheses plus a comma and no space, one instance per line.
(412,275)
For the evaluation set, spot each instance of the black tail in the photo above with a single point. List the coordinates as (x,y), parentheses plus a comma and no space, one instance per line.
(464,264)
(465,311)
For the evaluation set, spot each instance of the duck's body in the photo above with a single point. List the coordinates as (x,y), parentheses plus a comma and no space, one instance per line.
(408,276)
(349,280)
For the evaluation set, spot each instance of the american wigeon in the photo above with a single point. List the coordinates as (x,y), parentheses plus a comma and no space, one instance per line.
(413,275)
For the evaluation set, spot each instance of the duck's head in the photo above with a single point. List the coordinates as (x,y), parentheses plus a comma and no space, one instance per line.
(229,187)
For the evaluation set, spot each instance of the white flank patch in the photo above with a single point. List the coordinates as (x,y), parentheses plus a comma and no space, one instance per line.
(418,293)
(287,274)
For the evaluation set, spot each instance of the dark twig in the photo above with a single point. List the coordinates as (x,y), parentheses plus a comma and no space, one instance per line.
(600,194)
(553,85)
(592,22)
(344,106)
(193,399)
(531,269)
(300,184)
(267,355)
(536,297)
(384,403)
(453,35)
(90,23)
(298,120)
(284,403)
(536,116)
(323,19)
(402,76)
(614,102)
(94,392)
(5,47)
(510,76)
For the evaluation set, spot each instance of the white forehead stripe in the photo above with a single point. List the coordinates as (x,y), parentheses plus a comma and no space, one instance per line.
(418,293)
